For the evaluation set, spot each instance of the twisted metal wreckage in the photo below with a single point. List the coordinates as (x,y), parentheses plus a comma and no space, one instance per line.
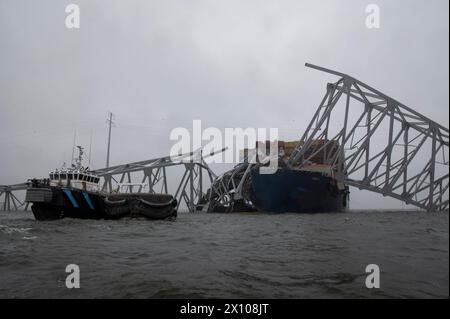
(383,147)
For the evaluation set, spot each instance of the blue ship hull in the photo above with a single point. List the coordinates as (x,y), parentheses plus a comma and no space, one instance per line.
(293,191)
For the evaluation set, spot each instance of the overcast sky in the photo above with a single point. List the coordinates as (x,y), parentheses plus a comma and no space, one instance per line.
(161,64)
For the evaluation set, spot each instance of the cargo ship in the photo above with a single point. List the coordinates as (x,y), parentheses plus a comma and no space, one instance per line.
(311,188)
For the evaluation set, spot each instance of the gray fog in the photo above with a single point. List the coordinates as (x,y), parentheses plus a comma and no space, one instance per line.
(158,65)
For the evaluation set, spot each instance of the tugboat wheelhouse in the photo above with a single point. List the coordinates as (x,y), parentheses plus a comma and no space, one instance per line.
(70,177)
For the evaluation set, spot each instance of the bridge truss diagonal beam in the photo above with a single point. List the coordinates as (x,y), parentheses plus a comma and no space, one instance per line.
(383,145)
(9,198)
(189,188)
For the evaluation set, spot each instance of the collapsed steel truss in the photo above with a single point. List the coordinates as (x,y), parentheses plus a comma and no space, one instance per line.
(150,173)
(153,173)
(384,146)
(228,192)
(8,198)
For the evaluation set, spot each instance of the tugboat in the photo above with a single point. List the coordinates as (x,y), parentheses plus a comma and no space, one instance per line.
(75,192)
(69,192)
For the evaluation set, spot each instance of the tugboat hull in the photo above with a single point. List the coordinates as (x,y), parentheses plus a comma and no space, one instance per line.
(43,211)
(152,206)
(51,203)
(149,210)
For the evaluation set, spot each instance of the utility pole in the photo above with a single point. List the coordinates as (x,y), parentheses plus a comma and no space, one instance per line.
(73,146)
(90,149)
(110,123)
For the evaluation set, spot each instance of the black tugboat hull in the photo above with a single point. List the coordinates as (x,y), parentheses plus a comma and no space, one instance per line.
(151,206)
(50,203)
(42,211)
(116,209)
(144,208)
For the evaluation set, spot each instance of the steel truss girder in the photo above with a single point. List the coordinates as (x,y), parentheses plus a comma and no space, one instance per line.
(9,200)
(227,188)
(395,169)
(189,188)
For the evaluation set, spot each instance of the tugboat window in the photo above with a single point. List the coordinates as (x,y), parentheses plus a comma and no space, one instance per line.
(63,176)
(75,176)
(84,178)
(70,176)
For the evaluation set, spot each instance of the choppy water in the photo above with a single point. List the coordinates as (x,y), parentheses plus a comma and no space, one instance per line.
(228,256)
